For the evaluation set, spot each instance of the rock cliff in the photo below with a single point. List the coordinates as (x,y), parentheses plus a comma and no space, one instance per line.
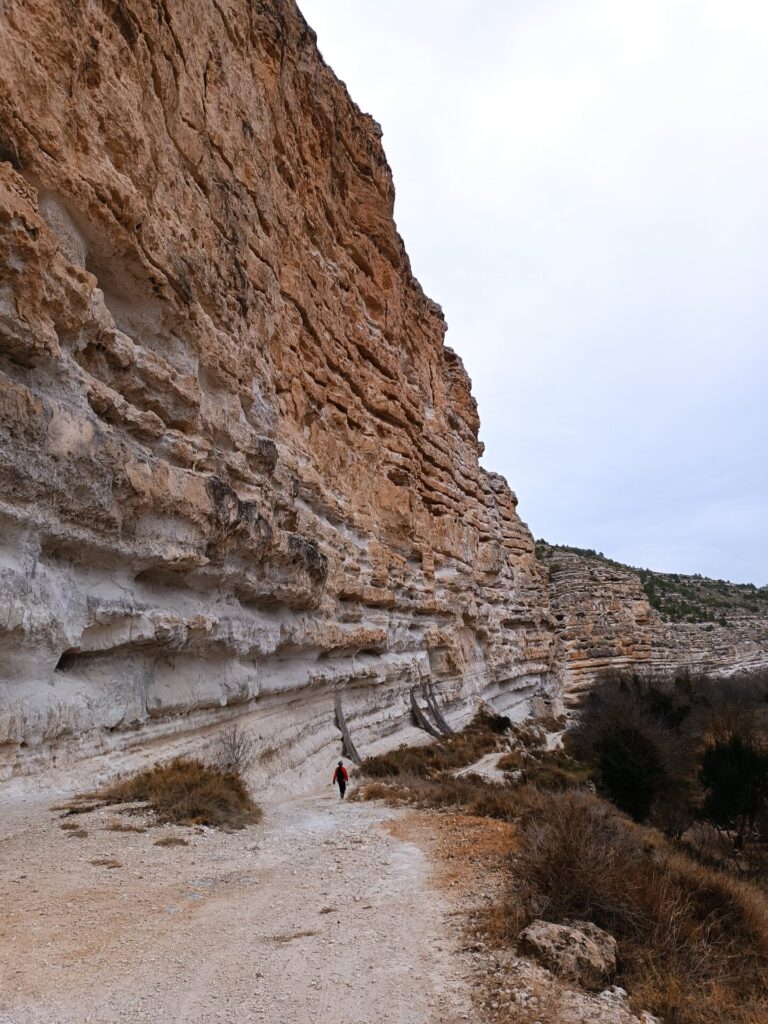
(604,620)
(239,466)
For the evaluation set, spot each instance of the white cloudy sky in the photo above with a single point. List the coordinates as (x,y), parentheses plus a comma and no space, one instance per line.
(583,186)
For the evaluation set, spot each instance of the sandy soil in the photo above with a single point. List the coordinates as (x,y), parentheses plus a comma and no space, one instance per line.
(324,912)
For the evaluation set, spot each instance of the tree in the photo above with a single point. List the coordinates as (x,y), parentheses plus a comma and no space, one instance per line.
(734,774)
(630,770)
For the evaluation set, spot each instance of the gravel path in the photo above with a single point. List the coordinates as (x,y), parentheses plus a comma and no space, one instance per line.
(319,914)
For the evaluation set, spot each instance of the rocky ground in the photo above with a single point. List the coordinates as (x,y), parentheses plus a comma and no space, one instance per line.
(319,914)
(326,911)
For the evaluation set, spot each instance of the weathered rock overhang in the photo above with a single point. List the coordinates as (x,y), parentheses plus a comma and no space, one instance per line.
(239,466)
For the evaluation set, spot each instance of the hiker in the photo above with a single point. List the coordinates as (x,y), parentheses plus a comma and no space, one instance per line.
(341,775)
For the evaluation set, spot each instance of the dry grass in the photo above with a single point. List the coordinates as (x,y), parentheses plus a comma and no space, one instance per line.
(511,761)
(171,841)
(186,791)
(469,794)
(116,825)
(554,771)
(480,737)
(78,805)
(291,936)
(693,943)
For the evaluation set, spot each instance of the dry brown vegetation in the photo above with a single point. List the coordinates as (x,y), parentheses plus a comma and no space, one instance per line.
(469,794)
(236,751)
(693,942)
(291,936)
(186,791)
(464,748)
(122,826)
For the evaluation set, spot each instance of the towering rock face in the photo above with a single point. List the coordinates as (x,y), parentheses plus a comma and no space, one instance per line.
(604,622)
(239,466)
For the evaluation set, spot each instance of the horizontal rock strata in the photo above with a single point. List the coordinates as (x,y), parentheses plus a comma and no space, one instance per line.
(604,621)
(239,466)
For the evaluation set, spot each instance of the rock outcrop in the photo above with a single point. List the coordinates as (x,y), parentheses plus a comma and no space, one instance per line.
(604,621)
(579,951)
(239,466)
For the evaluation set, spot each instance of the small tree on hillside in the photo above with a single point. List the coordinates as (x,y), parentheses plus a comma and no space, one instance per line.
(630,769)
(734,774)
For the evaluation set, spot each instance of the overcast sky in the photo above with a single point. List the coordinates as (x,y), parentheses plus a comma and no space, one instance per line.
(583,186)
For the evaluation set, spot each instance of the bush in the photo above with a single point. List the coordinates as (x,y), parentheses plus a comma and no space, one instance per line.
(236,751)
(693,944)
(186,791)
(734,774)
(630,769)
(480,737)
(510,762)
(630,734)
(467,793)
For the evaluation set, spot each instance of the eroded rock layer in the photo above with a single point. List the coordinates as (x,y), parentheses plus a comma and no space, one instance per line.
(239,466)
(604,622)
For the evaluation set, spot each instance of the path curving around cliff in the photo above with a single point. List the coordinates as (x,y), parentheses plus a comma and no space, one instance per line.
(320,914)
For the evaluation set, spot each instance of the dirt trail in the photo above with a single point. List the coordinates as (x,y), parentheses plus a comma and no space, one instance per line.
(319,914)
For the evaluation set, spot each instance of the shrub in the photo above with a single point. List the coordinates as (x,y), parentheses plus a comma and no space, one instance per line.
(510,762)
(236,751)
(467,793)
(630,769)
(629,733)
(480,737)
(734,774)
(693,944)
(187,791)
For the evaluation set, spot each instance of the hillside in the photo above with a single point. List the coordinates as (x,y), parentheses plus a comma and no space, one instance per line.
(676,596)
(610,616)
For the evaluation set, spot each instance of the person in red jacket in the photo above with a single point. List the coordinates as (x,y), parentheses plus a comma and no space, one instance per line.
(341,776)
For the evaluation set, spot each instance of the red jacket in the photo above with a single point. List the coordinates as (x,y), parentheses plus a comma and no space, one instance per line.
(340,773)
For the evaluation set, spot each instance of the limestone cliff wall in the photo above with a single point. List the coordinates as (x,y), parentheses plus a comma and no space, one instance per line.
(239,466)
(604,621)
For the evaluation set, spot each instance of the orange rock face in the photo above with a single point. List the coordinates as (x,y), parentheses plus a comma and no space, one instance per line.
(239,466)
(604,622)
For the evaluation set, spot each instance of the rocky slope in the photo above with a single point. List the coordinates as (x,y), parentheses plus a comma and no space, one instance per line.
(605,620)
(239,466)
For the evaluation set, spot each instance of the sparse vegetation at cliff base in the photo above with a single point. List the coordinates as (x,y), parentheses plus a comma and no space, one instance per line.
(693,940)
(186,791)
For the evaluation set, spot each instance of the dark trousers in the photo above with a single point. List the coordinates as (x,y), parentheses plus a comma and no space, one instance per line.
(342,787)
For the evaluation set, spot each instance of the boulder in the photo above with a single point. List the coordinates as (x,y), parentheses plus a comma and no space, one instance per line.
(578,951)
